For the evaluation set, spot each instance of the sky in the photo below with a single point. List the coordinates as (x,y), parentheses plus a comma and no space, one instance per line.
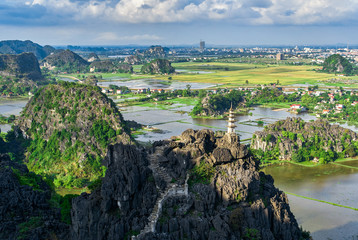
(179,22)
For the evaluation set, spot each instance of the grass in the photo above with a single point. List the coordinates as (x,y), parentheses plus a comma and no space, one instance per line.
(317,200)
(65,191)
(346,159)
(342,165)
(312,164)
(238,73)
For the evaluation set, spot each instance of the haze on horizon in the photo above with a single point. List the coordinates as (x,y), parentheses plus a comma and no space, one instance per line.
(175,22)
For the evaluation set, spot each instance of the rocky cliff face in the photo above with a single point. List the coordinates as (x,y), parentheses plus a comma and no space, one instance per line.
(226,197)
(133,59)
(121,206)
(290,135)
(92,57)
(25,210)
(66,60)
(158,66)
(24,65)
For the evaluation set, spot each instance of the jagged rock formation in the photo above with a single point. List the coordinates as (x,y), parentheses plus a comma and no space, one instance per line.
(133,59)
(227,197)
(233,201)
(92,57)
(102,66)
(121,206)
(25,211)
(293,135)
(66,61)
(109,66)
(158,66)
(125,68)
(77,122)
(24,65)
(155,51)
(18,47)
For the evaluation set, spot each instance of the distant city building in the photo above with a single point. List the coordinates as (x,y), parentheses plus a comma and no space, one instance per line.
(279,56)
(202,45)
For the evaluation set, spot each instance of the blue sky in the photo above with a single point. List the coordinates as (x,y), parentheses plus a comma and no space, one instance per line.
(175,22)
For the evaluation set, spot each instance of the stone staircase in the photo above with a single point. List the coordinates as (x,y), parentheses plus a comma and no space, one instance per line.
(171,189)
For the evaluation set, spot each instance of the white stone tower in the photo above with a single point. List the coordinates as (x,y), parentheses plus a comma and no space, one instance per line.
(231,121)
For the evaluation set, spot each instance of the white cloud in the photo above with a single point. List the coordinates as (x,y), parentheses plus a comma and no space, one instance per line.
(114,37)
(241,11)
(308,12)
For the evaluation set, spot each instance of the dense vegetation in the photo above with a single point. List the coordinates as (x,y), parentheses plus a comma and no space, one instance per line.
(296,140)
(66,61)
(71,126)
(216,104)
(337,64)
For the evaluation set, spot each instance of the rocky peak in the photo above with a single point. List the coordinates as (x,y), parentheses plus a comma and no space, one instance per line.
(24,65)
(158,66)
(65,60)
(78,122)
(228,197)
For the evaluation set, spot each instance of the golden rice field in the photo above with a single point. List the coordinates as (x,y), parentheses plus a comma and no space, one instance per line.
(236,74)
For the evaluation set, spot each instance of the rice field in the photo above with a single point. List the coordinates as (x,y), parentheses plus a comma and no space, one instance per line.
(235,74)
(227,74)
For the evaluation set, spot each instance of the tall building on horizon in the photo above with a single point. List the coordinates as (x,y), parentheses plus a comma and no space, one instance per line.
(279,56)
(202,45)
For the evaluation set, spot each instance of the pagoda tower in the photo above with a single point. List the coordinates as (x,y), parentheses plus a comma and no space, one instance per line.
(231,121)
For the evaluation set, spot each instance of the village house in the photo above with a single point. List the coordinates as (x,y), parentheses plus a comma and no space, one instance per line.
(331,97)
(297,107)
(339,106)
(142,90)
(317,93)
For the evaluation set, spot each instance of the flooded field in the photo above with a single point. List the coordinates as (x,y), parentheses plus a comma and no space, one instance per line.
(174,122)
(12,106)
(153,84)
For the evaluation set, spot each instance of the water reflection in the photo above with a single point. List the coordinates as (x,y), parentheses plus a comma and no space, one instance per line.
(330,182)
(12,106)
